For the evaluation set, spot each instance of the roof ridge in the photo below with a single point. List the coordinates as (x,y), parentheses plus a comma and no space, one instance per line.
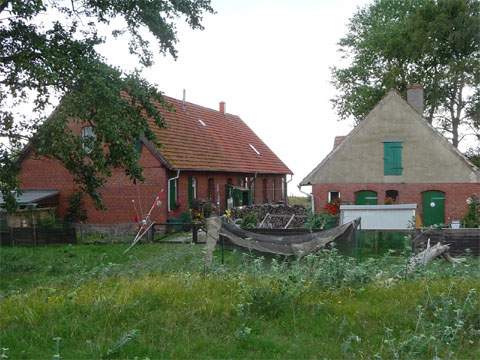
(200,106)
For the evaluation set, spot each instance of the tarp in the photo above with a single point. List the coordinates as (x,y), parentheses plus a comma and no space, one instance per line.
(288,245)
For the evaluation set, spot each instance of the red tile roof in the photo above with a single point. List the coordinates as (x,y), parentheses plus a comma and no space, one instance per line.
(222,144)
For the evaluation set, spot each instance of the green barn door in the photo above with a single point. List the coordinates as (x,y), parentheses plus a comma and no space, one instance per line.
(433,208)
(366,197)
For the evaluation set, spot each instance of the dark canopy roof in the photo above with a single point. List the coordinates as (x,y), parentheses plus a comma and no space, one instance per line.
(32,197)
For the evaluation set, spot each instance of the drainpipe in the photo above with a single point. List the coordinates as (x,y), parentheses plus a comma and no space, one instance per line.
(254,192)
(171,179)
(285,194)
(309,195)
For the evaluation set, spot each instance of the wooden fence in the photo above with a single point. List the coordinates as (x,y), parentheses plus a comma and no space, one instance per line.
(459,240)
(37,236)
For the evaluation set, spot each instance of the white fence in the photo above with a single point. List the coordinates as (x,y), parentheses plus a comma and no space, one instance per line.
(380,217)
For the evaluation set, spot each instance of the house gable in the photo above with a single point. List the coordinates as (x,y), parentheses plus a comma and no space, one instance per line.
(427,157)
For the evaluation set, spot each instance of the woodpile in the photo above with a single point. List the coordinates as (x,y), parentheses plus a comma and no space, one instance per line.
(274,216)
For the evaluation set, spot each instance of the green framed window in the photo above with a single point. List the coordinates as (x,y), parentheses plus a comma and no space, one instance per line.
(392,158)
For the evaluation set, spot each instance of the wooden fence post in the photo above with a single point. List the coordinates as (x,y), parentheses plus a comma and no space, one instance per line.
(34,234)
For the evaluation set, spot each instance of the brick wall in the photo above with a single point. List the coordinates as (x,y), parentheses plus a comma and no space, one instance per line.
(220,181)
(118,193)
(456,195)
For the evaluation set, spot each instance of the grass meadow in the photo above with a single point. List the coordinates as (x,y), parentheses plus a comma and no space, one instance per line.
(157,302)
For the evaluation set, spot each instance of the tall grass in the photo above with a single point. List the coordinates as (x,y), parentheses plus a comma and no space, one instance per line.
(160,303)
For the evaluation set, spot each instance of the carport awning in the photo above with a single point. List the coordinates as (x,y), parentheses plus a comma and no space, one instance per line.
(32,197)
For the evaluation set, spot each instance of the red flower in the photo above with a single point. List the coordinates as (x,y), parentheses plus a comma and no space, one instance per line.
(333,208)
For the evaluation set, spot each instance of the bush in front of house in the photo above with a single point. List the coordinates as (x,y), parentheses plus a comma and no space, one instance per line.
(202,209)
(333,207)
(76,209)
(323,221)
(472,217)
(249,221)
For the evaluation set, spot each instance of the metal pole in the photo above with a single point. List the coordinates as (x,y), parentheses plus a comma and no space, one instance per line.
(223,247)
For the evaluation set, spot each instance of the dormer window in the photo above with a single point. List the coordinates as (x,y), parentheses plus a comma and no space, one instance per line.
(254,149)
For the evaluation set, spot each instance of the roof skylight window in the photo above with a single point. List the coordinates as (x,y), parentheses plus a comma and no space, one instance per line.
(202,122)
(254,149)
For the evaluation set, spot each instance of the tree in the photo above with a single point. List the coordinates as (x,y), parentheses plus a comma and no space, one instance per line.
(474,156)
(394,43)
(48,52)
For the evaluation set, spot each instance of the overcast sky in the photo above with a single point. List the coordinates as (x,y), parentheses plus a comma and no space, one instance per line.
(269,61)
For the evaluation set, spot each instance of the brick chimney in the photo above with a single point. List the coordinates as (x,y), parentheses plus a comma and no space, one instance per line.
(222,107)
(415,97)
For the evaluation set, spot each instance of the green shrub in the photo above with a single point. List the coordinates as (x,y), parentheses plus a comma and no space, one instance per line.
(202,208)
(76,210)
(49,222)
(472,217)
(186,219)
(249,221)
(321,221)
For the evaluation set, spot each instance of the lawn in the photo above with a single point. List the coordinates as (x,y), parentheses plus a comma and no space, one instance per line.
(92,301)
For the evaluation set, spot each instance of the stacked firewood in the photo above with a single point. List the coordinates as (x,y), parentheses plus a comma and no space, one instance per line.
(274,216)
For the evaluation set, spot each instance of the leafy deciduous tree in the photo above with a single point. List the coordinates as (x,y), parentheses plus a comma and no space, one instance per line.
(394,43)
(48,51)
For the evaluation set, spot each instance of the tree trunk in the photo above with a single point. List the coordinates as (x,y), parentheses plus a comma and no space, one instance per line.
(457,115)
(455,125)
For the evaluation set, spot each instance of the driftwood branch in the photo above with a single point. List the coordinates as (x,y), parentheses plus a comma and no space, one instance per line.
(427,255)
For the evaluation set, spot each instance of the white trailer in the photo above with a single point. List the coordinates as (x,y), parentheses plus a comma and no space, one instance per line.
(380,217)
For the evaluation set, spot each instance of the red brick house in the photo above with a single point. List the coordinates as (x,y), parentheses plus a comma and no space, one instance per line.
(205,154)
(395,156)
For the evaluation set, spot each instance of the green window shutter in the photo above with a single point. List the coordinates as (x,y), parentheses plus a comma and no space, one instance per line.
(392,158)
(173,194)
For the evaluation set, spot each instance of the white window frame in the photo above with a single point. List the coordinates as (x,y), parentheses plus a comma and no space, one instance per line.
(194,186)
(330,195)
(87,132)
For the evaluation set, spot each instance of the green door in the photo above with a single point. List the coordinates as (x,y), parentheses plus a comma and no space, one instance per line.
(433,208)
(365,197)
(237,197)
